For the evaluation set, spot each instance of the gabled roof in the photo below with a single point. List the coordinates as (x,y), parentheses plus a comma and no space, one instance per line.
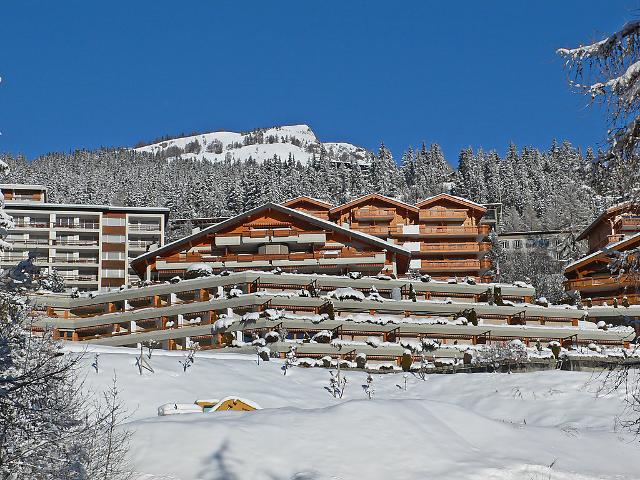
(193,239)
(603,252)
(303,198)
(452,198)
(375,196)
(604,215)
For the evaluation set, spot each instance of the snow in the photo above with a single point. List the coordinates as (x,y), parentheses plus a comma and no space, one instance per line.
(233,146)
(347,293)
(462,426)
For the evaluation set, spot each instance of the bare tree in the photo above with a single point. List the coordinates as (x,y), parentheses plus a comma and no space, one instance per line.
(608,71)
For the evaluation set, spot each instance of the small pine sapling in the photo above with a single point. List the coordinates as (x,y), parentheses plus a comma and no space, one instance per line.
(412,293)
(291,359)
(368,388)
(95,363)
(188,360)
(337,383)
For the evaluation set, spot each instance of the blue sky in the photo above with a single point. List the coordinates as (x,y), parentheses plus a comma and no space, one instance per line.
(80,74)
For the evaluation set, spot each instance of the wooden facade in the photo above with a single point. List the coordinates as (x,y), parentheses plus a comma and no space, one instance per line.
(617,229)
(275,237)
(443,232)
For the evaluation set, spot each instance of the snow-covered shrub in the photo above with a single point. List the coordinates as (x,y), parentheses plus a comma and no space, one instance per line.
(175,279)
(264,353)
(406,361)
(425,278)
(326,361)
(235,292)
(374,295)
(361,360)
(198,270)
(368,387)
(251,316)
(347,293)
(355,275)
(323,336)
(271,337)
(373,342)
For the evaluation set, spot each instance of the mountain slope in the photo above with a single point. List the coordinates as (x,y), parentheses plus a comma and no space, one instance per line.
(295,141)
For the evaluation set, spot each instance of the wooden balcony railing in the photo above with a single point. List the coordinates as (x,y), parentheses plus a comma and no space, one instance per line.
(442,214)
(614,238)
(453,231)
(373,230)
(628,222)
(80,278)
(597,281)
(454,247)
(444,265)
(374,214)
(296,256)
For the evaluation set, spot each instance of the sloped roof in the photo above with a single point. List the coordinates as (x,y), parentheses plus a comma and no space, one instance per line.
(376,196)
(604,215)
(452,198)
(304,198)
(603,252)
(325,224)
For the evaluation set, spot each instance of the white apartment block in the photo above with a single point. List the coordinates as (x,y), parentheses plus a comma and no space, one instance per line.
(89,245)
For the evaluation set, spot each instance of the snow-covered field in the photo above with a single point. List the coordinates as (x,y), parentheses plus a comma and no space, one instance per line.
(471,426)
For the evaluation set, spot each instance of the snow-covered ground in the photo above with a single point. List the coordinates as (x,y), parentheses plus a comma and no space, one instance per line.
(299,141)
(471,426)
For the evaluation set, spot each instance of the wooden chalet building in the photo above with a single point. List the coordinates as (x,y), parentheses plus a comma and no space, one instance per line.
(443,232)
(274,236)
(617,229)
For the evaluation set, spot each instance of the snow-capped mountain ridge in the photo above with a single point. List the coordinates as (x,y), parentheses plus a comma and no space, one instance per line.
(295,141)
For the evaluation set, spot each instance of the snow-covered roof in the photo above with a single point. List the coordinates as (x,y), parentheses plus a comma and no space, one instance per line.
(607,213)
(378,196)
(603,250)
(307,198)
(455,198)
(9,204)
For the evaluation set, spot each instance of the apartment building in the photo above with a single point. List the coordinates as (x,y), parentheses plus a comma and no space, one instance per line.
(89,245)
(271,237)
(617,229)
(555,242)
(444,233)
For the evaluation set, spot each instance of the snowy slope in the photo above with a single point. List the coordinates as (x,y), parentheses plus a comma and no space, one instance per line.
(471,426)
(299,141)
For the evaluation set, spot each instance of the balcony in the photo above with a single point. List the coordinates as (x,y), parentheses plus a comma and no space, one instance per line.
(76,226)
(614,238)
(606,282)
(137,245)
(248,258)
(144,227)
(374,214)
(434,215)
(31,224)
(74,260)
(375,230)
(14,259)
(628,223)
(79,278)
(450,265)
(441,248)
(28,241)
(76,243)
(441,231)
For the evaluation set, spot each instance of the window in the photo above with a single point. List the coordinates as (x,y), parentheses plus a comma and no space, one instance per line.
(517,244)
(113,255)
(113,238)
(504,244)
(113,273)
(114,221)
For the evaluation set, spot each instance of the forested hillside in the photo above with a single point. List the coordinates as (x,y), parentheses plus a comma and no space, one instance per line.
(558,188)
